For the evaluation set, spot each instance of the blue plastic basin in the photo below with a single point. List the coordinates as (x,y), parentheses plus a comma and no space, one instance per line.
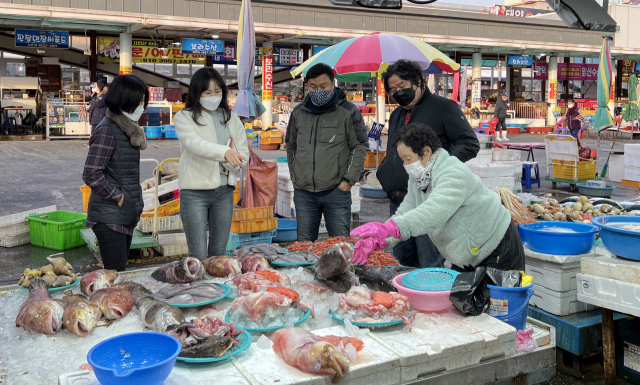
(538,237)
(136,358)
(599,192)
(621,242)
(518,319)
(287,230)
(375,193)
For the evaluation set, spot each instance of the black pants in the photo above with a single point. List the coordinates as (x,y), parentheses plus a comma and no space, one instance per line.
(509,255)
(114,247)
(502,124)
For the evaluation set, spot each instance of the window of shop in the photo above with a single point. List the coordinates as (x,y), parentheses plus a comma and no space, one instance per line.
(183,69)
(15,69)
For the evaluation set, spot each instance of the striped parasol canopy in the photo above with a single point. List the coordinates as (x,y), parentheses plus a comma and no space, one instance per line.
(603,118)
(631,112)
(356,59)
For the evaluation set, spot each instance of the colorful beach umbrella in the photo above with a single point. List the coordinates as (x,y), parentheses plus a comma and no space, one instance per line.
(603,116)
(463,88)
(631,112)
(356,59)
(248,105)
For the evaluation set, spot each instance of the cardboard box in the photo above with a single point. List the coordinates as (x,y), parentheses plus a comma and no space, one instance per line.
(50,60)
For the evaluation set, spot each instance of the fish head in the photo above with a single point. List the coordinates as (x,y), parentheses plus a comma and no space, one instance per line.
(232,267)
(334,260)
(116,304)
(332,359)
(81,317)
(99,279)
(38,289)
(42,316)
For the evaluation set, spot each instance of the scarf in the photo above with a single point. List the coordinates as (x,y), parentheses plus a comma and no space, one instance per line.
(425,180)
(319,110)
(135,133)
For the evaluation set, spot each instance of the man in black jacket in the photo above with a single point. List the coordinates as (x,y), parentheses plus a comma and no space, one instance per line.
(405,82)
(501,113)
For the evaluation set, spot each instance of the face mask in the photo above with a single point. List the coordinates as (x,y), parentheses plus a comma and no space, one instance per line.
(570,105)
(321,97)
(135,115)
(211,103)
(405,96)
(415,169)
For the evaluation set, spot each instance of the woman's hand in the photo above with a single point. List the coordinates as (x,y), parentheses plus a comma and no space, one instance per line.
(234,158)
(379,230)
(365,247)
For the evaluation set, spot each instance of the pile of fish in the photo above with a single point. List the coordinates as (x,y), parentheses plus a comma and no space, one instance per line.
(78,313)
(582,209)
(297,257)
(57,273)
(364,305)
(270,251)
(205,337)
(254,282)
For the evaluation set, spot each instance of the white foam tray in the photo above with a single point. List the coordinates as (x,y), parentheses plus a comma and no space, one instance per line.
(500,154)
(607,266)
(493,171)
(620,296)
(557,303)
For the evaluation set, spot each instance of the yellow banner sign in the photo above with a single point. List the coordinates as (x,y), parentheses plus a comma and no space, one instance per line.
(145,51)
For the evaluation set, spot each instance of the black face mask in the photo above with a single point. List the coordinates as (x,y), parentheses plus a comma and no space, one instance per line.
(405,96)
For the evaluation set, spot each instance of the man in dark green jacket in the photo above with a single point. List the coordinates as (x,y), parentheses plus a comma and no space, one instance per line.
(326,149)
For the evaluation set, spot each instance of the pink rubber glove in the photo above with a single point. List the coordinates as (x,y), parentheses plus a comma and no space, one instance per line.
(379,230)
(365,247)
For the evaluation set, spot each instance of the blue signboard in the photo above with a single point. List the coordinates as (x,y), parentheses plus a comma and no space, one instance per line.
(285,56)
(520,61)
(42,39)
(202,46)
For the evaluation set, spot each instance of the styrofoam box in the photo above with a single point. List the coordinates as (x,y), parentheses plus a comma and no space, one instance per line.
(632,174)
(616,168)
(285,196)
(508,155)
(482,138)
(20,218)
(172,238)
(454,341)
(284,182)
(558,303)
(610,267)
(506,181)
(171,250)
(554,272)
(173,222)
(285,209)
(493,171)
(609,293)
(16,240)
(13,230)
(162,189)
(632,155)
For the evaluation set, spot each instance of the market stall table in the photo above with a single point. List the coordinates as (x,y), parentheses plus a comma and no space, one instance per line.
(526,147)
(449,347)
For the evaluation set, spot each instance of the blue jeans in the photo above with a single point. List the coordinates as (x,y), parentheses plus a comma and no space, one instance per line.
(335,204)
(197,207)
(416,251)
(576,134)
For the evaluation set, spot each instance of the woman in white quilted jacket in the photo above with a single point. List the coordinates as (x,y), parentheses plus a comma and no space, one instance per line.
(213,147)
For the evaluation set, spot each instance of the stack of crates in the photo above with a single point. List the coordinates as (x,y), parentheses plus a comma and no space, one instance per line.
(270,137)
(252,226)
(14,231)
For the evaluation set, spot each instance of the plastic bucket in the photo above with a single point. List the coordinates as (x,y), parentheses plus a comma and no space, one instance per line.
(287,230)
(507,300)
(518,319)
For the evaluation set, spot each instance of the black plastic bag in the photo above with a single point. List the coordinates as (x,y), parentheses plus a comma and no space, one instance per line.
(504,278)
(470,293)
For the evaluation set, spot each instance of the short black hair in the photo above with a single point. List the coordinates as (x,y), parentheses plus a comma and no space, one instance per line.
(417,136)
(406,70)
(125,94)
(200,82)
(319,70)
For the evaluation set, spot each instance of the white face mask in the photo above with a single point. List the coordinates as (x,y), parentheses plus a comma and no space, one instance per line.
(415,170)
(211,103)
(135,115)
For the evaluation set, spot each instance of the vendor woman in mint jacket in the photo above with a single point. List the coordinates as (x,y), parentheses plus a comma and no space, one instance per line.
(465,220)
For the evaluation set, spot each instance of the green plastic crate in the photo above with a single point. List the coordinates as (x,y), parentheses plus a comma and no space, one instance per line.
(58,230)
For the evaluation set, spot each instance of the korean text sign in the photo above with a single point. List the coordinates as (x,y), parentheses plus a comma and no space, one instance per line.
(202,46)
(145,51)
(267,78)
(567,71)
(42,39)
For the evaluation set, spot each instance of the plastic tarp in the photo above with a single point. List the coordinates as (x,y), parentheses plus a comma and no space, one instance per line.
(261,186)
